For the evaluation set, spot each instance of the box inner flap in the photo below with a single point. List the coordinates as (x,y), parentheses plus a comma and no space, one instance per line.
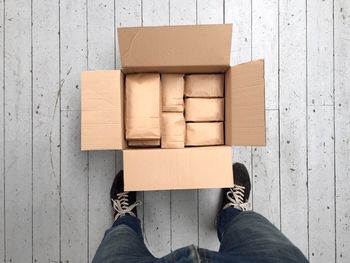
(101,110)
(245,104)
(188,168)
(147,48)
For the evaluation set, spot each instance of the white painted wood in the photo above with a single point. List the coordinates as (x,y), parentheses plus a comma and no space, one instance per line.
(2,133)
(46,132)
(239,14)
(155,13)
(320,131)
(320,52)
(266,194)
(265,45)
(265,172)
(184,204)
(157,224)
(293,152)
(321,183)
(342,127)
(209,12)
(74,162)
(101,55)
(18,132)
(183,12)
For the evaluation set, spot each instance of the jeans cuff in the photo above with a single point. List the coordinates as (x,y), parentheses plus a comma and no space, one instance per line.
(224,217)
(131,221)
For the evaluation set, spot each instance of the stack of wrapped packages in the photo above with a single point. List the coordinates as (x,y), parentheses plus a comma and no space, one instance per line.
(156,114)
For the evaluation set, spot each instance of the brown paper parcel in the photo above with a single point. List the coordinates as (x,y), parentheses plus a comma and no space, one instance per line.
(204,133)
(144,143)
(173,130)
(142,107)
(204,109)
(205,85)
(173,86)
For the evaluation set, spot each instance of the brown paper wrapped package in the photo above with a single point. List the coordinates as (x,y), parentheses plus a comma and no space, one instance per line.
(204,85)
(204,109)
(144,143)
(142,106)
(173,130)
(204,133)
(173,86)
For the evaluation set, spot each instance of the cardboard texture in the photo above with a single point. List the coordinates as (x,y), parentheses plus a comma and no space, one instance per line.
(173,130)
(204,133)
(173,86)
(198,48)
(188,168)
(101,110)
(204,109)
(205,85)
(142,111)
(245,104)
(143,143)
(185,50)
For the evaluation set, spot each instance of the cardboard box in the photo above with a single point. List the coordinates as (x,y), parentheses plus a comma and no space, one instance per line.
(204,133)
(204,109)
(175,49)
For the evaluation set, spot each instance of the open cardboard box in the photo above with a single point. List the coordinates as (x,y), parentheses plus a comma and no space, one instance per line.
(174,49)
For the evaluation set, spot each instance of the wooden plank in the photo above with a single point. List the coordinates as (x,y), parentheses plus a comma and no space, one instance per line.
(74,163)
(320,131)
(293,157)
(182,12)
(265,45)
(128,14)
(18,132)
(239,14)
(157,224)
(101,55)
(209,12)
(155,13)
(184,204)
(46,132)
(266,194)
(2,132)
(266,159)
(342,127)
(321,183)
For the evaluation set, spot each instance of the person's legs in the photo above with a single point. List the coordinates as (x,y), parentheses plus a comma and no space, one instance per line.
(246,236)
(123,242)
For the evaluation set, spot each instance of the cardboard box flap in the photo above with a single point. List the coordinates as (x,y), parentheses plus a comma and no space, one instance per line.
(175,46)
(187,168)
(245,104)
(102,110)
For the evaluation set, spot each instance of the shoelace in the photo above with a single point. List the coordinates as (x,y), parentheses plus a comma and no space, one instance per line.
(121,205)
(236,198)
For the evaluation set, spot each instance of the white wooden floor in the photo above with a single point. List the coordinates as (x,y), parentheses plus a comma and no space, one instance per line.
(54,198)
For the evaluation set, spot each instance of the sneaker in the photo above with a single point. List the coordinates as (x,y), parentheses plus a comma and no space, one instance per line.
(122,202)
(237,197)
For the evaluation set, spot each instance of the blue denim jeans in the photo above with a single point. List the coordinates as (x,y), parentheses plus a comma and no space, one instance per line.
(244,236)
